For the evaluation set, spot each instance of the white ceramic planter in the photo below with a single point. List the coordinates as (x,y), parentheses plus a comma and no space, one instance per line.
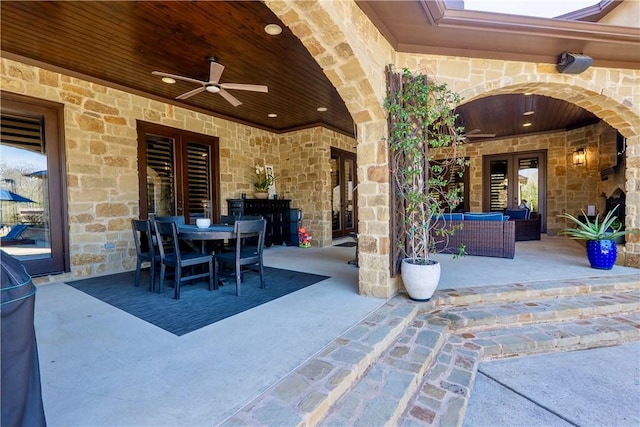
(420,280)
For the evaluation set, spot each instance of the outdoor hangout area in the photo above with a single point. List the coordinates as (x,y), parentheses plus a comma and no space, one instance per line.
(306,213)
(249,360)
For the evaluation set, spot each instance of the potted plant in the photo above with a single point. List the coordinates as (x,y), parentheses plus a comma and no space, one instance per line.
(599,235)
(422,123)
(262,183)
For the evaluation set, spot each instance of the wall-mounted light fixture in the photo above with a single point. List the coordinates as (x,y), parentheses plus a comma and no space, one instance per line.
(579,156)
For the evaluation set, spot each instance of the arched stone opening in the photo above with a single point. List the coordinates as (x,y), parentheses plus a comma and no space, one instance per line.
(616,113)
(613,111)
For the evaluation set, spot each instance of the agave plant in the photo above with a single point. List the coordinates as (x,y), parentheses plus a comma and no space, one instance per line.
(607,229)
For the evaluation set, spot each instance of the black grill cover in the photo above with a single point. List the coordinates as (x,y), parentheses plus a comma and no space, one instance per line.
(21,392)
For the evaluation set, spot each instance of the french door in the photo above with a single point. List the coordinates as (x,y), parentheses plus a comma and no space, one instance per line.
(33,202)
(343,195)
(510,180)
(178,173)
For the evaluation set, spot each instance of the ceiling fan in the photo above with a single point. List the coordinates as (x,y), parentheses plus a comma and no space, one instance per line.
(214,85)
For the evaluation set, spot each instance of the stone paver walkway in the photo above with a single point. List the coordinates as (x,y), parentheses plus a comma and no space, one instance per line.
(415,363)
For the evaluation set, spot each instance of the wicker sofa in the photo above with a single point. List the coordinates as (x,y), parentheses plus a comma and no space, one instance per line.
(494,238)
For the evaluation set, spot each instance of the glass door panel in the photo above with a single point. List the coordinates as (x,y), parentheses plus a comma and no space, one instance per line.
(348,195)
(24,200)
(528,184)
(198,195)
(499,185)
(343,195)
(160,173)
(336,206)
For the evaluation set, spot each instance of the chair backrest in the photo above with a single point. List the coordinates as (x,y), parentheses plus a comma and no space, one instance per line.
(167,236)
(179,219)
(16,231)
(245,229)
(142,236)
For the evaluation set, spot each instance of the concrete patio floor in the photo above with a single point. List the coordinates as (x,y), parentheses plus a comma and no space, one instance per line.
(103,367)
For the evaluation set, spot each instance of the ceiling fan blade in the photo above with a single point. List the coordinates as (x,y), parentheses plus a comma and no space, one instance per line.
(215,71)
(191,93)
(232,99)
(175,76)
(241,86)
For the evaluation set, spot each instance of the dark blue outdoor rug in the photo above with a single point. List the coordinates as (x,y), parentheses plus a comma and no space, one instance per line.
(197,306)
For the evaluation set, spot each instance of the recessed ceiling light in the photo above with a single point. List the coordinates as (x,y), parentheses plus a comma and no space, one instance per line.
(528,113)
(168,80)
(273,29)
(322,109)
(272,115)
(526,125)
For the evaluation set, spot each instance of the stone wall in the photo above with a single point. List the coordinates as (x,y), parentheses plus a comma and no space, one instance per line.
(306,176)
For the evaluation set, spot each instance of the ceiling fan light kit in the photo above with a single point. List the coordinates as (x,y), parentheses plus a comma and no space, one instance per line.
(213,85)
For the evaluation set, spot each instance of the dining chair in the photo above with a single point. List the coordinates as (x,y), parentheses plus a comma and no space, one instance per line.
(146,250)
(171,256)
(230,244)
(247,253)
(178,219)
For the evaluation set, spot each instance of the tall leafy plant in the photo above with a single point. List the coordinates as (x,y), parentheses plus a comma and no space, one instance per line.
(607,229)
(422,123)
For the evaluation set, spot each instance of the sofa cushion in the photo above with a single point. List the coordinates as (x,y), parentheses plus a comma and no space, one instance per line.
(451,216)
(483,216)
(518,213)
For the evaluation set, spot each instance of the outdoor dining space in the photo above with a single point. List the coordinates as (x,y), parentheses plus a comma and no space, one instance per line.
(197,276)
(198,251)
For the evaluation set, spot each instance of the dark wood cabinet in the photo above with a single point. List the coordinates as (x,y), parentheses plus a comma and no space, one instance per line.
(276,212)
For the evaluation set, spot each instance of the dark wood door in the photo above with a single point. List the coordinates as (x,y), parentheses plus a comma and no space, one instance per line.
(514,180)
(32,150)
(178,173)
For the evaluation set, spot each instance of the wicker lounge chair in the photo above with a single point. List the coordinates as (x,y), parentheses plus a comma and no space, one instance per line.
(527,224)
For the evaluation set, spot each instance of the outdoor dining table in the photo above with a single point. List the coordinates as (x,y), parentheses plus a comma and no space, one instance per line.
(192,233)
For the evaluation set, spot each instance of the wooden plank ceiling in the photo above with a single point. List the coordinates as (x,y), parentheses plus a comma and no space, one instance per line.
(121,43)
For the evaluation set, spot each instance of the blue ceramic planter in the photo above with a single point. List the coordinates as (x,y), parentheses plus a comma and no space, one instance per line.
(602,253)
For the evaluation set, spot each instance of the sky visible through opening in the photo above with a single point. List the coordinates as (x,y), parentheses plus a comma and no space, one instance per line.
(538,8)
